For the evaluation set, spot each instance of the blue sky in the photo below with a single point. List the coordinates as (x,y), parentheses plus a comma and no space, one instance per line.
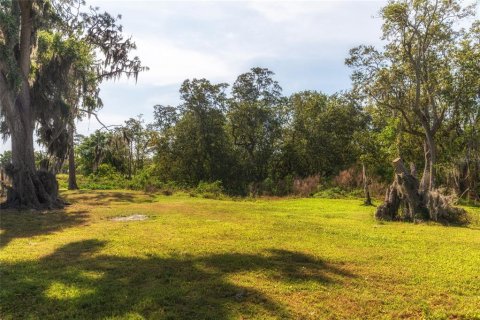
(304,43)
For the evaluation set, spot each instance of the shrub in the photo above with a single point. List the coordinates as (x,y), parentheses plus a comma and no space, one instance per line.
(348,179)
(307,186)
(351,180)
(331,193)
(106,170)
(272,187)
(267,187)
(377,189)
(210,190)
(145,180)
(105,178)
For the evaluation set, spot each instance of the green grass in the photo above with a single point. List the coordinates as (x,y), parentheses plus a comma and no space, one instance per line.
(196,258)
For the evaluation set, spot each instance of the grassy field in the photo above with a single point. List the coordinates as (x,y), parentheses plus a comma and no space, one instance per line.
(195,258)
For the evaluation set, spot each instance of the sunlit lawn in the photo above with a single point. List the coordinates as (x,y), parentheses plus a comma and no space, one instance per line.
(220,259)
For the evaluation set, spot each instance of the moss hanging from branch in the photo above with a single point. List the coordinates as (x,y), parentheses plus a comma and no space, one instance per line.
(405,200)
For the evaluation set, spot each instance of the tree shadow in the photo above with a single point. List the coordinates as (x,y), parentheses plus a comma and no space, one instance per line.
(77,281)
(25,224)
(283,265)
(102,198)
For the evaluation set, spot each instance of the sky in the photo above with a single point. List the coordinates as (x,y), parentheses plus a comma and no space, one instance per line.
(304,43)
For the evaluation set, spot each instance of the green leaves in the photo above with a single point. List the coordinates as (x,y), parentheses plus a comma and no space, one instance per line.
(9,40)
(199,96)
(396,14)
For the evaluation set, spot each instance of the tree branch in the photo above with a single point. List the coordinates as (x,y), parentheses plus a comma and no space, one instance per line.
(98,119)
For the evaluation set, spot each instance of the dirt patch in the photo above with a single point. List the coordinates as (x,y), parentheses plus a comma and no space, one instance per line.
(134,217)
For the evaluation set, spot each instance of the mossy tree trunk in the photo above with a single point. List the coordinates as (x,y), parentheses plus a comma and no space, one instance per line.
(407,199)
(30,188)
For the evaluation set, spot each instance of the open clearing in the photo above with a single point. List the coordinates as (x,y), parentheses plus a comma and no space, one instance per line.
(195,258)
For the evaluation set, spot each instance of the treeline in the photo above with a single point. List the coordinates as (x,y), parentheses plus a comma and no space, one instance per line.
(256,141)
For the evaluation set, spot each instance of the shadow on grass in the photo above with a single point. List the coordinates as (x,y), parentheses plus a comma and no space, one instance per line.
(102,198)
(77,281)
(25,224)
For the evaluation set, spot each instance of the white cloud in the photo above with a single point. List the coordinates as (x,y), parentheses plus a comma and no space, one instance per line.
(287,11)
(170,64)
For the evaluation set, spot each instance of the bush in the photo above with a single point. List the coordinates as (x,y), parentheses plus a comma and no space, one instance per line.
(272,187)
(351,181)
(145,180)
(106,170)
(348,179)
(331,193)
(210,190)
(307,186)
(106,178)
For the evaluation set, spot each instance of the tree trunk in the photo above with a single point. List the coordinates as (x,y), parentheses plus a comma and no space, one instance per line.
(433,160)
(406,193)
(474,178)
(130,161)
(72,173)
(368,200)
(389,209)
(30,188)
(425,181)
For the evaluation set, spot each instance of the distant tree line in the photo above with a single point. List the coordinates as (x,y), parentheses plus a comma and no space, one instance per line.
(257,141)
(253,140)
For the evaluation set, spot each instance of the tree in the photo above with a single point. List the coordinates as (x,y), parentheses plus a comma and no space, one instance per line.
(369,156)
(200,138)
(164,117)
(414,77)
(92,151)
(192,144)
(36,85)
(255,120)
(65,71)
(318,139)
(460,143)
(136,138)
